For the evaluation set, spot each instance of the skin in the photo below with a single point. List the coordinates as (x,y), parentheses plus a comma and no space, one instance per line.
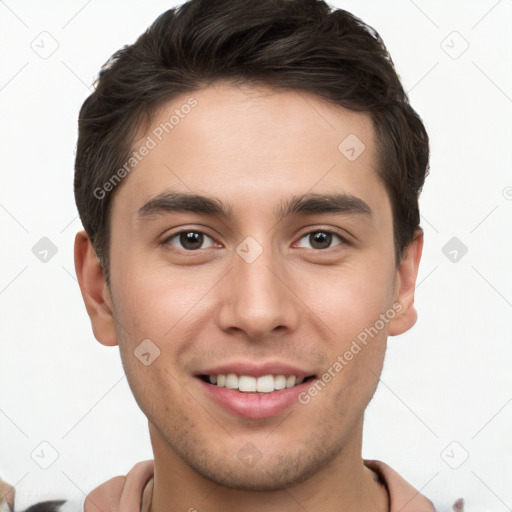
(298,302)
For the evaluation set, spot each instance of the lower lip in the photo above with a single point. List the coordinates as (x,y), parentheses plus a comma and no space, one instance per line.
(254,405)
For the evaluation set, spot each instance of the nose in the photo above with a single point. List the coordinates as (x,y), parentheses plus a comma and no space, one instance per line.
(258,297)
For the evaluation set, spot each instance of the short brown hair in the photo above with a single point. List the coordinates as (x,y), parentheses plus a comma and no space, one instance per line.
(302,45)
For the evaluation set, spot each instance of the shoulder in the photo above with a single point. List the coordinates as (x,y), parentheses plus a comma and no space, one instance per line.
(121,493)
(402,495)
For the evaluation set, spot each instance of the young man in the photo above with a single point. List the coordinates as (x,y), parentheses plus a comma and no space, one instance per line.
(247,174)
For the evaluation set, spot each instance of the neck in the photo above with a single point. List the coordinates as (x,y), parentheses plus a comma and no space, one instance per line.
(344,484)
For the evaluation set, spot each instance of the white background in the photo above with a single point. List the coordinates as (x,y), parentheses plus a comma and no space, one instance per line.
(446,380)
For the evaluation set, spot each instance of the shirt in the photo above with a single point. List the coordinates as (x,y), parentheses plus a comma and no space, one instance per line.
(403,497)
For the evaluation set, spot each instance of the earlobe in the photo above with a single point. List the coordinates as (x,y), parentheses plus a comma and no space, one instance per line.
(94,290)
(406,283)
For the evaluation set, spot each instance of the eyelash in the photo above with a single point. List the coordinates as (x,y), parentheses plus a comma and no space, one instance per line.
(344,241)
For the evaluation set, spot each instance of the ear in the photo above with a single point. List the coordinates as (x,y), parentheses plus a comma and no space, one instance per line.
(94,290)
(407,273)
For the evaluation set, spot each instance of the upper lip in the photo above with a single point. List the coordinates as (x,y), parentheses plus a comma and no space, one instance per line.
(256,369)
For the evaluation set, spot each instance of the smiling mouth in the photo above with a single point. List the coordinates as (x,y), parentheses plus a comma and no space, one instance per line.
(249,384)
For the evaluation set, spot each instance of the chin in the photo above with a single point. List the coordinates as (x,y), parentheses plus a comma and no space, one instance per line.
(264,475)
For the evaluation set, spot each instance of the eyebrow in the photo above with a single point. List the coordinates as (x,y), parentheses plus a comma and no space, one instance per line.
(170,202)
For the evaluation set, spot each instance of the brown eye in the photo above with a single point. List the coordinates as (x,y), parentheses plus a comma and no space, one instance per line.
(189,240)
(320,239)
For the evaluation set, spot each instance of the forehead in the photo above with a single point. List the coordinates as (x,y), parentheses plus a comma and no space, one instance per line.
(252,147)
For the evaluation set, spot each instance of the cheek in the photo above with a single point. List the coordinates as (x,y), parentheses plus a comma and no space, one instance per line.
(158,391)
(153,302)
(158,313)
(151,314)
(352,300)
(358,309)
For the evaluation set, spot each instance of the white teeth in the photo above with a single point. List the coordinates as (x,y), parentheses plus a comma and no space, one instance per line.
(265,384)
(280,382)
(231,381)
(290,381)
(246,383)
(249,384)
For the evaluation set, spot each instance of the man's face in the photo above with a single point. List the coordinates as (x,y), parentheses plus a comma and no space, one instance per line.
(254,292)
